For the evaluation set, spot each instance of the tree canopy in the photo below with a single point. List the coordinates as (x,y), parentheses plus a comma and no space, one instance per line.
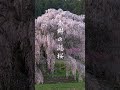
(74,6)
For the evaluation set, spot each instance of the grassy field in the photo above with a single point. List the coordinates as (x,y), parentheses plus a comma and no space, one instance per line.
(61,86)
(58,81)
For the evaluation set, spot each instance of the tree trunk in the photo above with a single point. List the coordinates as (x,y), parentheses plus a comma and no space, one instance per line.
(102,40)
(16,45)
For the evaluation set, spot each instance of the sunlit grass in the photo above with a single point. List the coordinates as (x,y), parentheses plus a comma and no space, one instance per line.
(61,86)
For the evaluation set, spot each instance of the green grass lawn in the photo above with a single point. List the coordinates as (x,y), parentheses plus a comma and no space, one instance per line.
(57,81)
(61,86)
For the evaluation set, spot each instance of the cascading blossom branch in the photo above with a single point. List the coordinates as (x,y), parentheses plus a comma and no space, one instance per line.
(46,27)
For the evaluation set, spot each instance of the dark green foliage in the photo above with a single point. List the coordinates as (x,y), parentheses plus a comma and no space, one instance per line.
(74,6)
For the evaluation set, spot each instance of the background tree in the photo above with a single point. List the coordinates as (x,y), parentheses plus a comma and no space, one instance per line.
(75,6)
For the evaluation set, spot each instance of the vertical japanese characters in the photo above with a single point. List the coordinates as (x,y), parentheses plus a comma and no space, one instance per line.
(59,35)
(60,48)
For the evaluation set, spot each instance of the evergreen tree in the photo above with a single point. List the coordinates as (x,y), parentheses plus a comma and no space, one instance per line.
(74,6)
